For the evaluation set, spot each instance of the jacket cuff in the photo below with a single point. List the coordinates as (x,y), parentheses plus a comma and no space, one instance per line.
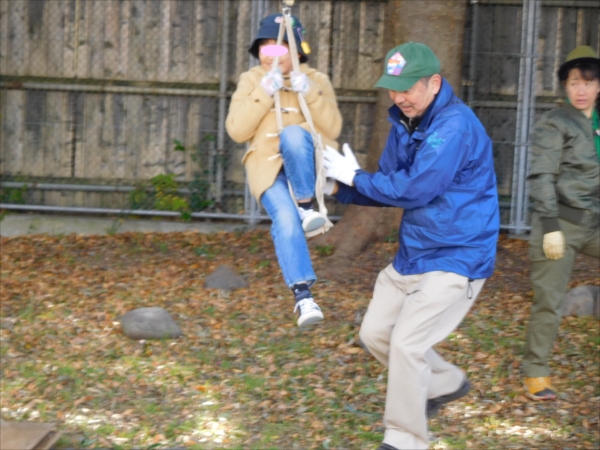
(549,224)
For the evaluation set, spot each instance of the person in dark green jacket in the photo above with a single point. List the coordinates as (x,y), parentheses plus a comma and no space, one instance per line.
(565,188)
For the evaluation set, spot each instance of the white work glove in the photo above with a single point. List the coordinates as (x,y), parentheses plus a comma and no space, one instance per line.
(342,168)
(272,81)
(300,82)
(329,186)
(554,245)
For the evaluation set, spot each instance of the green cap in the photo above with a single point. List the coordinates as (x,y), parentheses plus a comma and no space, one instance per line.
(579,55)
(406,64)
(583,51)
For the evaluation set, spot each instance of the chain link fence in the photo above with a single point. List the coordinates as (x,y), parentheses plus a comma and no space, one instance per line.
(118,106)
(513,50)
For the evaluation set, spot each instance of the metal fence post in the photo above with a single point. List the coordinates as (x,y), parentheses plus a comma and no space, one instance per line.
(525,113)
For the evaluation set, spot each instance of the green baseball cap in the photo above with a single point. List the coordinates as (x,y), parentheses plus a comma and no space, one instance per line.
(406,64)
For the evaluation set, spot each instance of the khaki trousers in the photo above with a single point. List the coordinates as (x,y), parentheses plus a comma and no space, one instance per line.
(549,280)
(406,317)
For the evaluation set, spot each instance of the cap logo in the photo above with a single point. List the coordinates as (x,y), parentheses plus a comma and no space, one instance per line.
(278,19)
(395,64)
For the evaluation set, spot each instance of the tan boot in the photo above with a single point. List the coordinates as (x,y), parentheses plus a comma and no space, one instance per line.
(539,388)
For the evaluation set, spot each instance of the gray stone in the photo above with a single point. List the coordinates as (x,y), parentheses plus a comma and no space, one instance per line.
(149,323)
(224,278)
(582,301)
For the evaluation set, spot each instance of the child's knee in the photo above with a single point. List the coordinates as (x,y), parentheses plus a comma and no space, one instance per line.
(293,139)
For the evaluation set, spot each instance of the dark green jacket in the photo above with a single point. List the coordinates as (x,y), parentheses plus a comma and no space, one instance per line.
(564,179)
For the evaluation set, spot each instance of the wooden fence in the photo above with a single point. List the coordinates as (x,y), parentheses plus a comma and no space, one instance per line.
(96,91)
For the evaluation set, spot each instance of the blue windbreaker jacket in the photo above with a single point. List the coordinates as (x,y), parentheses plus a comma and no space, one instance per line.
(443,176)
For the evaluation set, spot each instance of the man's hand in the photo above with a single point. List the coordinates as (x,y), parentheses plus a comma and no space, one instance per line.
(341,168)
(554,245)
(272,81)
(300,82)
(330,187)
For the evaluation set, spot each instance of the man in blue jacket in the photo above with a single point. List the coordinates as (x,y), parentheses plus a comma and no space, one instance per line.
(438,166)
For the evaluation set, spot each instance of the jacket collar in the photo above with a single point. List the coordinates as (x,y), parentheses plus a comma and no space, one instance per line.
(571,110)
(440,101)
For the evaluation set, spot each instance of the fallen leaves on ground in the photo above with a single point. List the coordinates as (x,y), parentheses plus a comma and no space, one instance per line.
(244,375)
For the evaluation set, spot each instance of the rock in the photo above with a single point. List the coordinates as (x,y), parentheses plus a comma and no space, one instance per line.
(149,323)
(582,301)
(224,278)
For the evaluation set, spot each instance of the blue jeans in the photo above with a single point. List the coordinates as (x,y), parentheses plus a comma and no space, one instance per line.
(297,150)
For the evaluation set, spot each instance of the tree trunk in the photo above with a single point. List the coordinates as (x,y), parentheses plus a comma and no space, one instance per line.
(440,25)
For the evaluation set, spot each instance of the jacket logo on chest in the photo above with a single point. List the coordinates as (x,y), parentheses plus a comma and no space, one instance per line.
(434,141)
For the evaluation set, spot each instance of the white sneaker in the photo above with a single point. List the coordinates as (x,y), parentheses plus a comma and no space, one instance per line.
(309,312)
(311,219)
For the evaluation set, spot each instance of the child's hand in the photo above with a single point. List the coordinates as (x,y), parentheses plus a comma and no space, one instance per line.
(300,82)
(272,81)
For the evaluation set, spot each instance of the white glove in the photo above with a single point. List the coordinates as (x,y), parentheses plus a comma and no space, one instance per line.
(300,82)
(330,185)
(272,81)
(554,245)
(341,168)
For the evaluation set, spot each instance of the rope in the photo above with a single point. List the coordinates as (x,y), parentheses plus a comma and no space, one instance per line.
(286,24)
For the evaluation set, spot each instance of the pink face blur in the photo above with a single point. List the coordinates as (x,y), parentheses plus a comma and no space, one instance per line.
(285,61)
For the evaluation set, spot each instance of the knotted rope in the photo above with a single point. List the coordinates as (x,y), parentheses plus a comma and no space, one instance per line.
(320,171)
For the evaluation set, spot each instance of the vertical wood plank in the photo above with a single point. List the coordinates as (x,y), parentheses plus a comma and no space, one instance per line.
(152,156)
(192,138)
(123,52)
(90,155)
(37,33)
(176,130)
(181,32)
(77,116)
(569,38)
(97,19)
(162,36)
(119,123)
(581,32)
(345,45)
(110,59)
(136,33)
(82,35)
(4,16)
(151,58)
(56,16)
(56,136)
(242,38)
(134,136)
(370,45)
(314,20)
(33,154)
(204,47)
(106,143)
(507,36)
(69,39)
(12,107)
(18,43)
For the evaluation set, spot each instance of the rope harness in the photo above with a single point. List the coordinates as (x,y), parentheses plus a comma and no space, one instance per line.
(320,171)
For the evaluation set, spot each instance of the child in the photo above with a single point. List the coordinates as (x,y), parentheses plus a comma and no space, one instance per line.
(273,160)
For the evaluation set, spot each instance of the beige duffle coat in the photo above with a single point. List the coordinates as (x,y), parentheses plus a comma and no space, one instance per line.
(251,118)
